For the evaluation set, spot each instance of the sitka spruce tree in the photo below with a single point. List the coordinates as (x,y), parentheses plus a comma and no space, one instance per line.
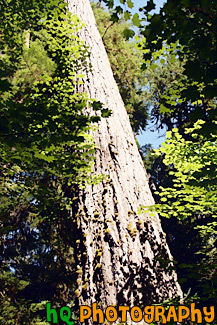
(118,251)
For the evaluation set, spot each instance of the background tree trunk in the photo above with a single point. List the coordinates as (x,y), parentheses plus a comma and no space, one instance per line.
(116,248)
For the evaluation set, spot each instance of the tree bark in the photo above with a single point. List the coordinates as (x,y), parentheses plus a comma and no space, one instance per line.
(117,250)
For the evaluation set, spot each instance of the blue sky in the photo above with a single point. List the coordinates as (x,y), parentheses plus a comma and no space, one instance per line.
(155,138)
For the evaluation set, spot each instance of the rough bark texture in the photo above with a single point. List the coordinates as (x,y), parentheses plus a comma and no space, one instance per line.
(118,248)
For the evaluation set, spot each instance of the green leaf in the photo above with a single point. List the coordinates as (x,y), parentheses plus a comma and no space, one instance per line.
(106,112)
(96,105)
(128,33)
(136,20)
(130,4)
(127,15)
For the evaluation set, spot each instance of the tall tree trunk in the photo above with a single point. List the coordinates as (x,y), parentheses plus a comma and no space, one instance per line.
(118,251)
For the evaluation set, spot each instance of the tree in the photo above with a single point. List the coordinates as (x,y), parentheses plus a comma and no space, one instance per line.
(120,254)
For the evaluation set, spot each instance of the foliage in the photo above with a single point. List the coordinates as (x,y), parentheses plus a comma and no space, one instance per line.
(47,152)
(158,172)
(122,7)
(190,39)
(190,25)
(193,197)
(193,25)
(46,155)
(165,82)
(125,59)
(195,177)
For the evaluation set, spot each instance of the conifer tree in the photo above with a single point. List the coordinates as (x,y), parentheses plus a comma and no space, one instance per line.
(118,251)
